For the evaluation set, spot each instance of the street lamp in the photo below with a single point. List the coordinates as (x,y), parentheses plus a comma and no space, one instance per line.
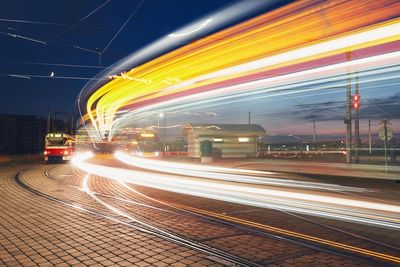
(160,115)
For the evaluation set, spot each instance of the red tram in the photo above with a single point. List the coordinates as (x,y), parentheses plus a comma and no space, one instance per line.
(59,147)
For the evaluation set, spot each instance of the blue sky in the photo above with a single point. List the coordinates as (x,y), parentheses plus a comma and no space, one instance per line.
(69,42)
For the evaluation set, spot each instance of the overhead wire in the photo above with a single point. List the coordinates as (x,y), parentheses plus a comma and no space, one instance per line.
(63,65)
(74,25)
(121,28)
(29,76)
(43,23)
(82,19)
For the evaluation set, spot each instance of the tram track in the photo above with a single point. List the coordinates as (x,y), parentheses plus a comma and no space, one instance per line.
(255,228)
(262,233)
(212,252)
(313,239)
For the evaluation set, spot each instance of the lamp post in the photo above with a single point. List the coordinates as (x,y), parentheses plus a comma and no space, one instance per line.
(160,115)
(356,107)
(48,126)
(348,111)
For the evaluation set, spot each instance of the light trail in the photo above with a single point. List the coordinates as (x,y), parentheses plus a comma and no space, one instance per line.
(229,54)
(78,160)
(264,227)
(294,234)
(149,228)
(221,18)
(346,43)
(304,78)
(226,174)
(287,51)
(281,83)
(196,29)
(255,195)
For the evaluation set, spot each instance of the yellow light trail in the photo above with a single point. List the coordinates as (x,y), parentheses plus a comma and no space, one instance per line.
(299,32)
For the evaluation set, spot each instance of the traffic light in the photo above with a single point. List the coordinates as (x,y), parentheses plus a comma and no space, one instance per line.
(356,101)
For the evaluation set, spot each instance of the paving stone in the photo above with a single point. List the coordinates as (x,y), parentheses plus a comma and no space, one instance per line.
(53,232)
(50,234)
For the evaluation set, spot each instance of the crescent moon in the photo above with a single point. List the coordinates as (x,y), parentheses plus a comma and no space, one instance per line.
(51,74)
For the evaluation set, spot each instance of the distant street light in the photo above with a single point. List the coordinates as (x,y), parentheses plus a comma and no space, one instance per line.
(160,115)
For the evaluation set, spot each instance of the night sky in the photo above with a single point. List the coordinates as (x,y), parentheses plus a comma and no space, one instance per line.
(56,37)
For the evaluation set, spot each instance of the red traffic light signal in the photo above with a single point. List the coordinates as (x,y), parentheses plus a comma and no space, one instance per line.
(356,101)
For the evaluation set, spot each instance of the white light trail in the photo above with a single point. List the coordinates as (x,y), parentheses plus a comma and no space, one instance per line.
(255,195)
(120,212)
(194,29)
(287,81)
(225,174)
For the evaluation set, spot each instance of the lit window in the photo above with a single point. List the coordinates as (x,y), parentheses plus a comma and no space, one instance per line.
(146,135)
(243,139)
(218,140)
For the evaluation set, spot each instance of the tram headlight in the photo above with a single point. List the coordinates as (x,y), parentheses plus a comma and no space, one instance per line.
(66,152)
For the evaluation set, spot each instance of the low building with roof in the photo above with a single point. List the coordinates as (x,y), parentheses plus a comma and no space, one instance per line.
(229,140)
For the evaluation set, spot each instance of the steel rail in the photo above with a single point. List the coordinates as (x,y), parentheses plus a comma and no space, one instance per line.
(213,253)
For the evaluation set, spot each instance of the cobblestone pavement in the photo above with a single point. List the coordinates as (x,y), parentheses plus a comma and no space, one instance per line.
(37,231)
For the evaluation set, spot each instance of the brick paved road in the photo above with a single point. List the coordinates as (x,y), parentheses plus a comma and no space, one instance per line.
(37,231)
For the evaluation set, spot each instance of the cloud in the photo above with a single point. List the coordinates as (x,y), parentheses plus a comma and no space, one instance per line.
(377,108)
(373,108)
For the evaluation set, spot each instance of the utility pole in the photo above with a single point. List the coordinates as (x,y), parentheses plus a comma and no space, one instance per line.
(59,117)
(72,127)
(369,137)
(164,130)
(54,122)
(385,134)
(385,141)
(356,126)
(249,117)
(348,111)
(315,133)
(160,115)
(48,115)
(48,121)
